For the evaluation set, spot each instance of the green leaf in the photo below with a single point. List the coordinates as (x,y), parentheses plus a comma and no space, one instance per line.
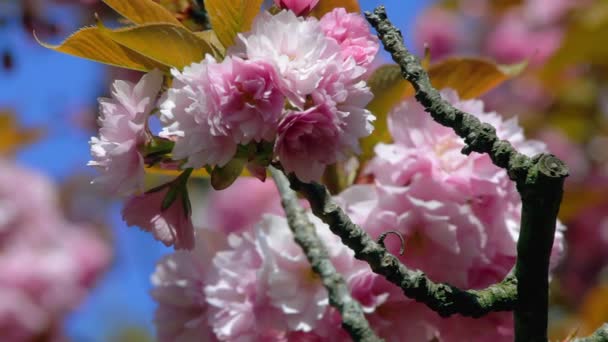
(143,11)
(170,197)
(325,6)
(91,44)
(229,17)
(223,177)
(167,44)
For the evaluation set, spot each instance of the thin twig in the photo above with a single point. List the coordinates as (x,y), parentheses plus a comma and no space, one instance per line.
(353,318)
(539,181)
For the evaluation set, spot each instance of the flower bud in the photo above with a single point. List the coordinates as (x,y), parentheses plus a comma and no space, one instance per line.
(299,7)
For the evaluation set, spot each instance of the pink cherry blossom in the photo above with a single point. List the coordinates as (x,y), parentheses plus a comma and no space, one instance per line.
(34,232)
(514,40)
(171,226)
(296,46)
(265,286)
(185,110)
(241,206)
(545,12)
(398,316)
(123,121)
(440,30)
(179,281)
(234,297)
(459,214)
(351,32)
(308,141)
(299,7)
(245,101)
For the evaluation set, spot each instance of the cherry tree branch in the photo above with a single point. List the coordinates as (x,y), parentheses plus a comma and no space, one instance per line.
(353,318)
(539,181)
(600,335)
(444,299)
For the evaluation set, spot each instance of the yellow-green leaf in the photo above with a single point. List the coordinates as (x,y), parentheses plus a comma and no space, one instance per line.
(12,137)
(470,77)
(229,17)
(197,173)
(325,6)
(143,11)
(214,42)
(167,44)
(584,43)
(91,44)
(223,177)
(389,88)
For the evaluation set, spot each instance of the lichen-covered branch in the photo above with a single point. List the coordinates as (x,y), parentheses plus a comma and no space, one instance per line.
(444,299)
(480,137)
(353,318)
(539,181)
(600,335)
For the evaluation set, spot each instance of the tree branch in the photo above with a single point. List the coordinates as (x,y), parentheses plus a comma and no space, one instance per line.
(444,299)
(600,335)
(539,181)
(353,318)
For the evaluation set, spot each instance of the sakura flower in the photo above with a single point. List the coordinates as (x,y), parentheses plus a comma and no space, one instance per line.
(426,163)
(308,141)
(351,32)
(255,198)
(171,226)
(459,214)
(185,112)
(440,30)
(235,299)
(34,232)
(299,7)
(123,132)
(265,285)
(245,102)
(296,46)
(179,281)
(546,12)
(514,40)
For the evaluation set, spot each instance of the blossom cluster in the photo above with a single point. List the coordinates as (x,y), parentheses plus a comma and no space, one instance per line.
(246,280)
(48,264)
(291,90)
(292,82)
(531,30)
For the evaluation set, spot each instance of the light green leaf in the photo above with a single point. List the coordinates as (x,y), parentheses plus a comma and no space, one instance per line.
(229,17)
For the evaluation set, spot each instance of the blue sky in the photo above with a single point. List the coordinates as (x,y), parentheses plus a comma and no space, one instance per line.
(45,89)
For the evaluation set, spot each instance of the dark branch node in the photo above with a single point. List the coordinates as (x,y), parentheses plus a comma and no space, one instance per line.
(383,236)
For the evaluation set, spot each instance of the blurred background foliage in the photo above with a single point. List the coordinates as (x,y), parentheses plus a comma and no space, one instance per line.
(543,61)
